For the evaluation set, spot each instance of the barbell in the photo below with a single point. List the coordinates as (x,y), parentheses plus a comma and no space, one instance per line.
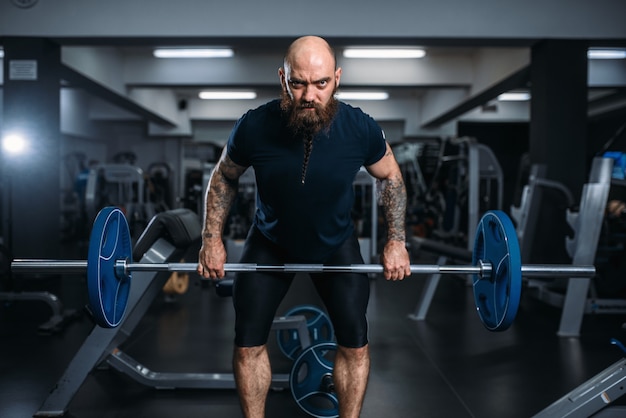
(496,268)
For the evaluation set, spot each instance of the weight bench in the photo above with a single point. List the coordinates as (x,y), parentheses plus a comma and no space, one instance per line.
(167,238)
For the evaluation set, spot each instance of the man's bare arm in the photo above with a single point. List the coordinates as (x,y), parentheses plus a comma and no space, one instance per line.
(220,195)
(392,194)
(395,258)
(393,201)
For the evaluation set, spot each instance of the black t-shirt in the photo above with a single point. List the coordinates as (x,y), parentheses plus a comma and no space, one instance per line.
(308,220)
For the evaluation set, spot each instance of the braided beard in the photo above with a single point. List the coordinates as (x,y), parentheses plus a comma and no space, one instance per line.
(304,124)
(308,147)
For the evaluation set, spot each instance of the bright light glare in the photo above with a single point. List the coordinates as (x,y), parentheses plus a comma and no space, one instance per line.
(514,97)
(227,95)
(1,53)
(193,53)
(383,53)
(14,144)
(606,54)
(362,95)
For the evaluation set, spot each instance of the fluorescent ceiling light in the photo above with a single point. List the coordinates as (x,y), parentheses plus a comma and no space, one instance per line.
(1,53)
(383,53)
(193,53)
(606,54)
(514,97)
(227,95)
(362,95)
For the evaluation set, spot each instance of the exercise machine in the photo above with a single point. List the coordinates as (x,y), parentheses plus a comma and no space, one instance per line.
(122,185)
(579,297)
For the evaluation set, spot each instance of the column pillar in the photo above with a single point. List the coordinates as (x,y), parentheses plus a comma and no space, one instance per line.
(31,177)
(558,135)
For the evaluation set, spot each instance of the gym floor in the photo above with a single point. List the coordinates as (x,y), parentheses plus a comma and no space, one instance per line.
(446,366)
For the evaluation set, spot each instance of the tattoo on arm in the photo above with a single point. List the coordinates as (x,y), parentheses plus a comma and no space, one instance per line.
(220,195)
(393,200)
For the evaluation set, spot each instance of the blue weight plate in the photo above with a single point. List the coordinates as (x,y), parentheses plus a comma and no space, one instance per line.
(109,242)
(309,381)
(319,325)
(497,297)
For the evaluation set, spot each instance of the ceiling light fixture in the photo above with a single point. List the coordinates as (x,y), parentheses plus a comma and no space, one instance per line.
(383,53)
(362,95)
(514,97)
(606,54)
(193,52)
(1,53)
(227,95)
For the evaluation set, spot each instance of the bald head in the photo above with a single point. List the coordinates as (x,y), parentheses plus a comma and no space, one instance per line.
(309,73)
(309,48)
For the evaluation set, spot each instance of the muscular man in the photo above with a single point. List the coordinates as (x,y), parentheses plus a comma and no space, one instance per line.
(306,149)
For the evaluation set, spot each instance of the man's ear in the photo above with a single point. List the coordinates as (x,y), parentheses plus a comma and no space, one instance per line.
(281,76)
(337,76)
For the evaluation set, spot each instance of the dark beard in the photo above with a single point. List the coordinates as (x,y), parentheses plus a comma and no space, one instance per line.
(306,124)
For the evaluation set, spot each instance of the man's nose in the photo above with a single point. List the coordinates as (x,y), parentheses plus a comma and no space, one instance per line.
(308,95)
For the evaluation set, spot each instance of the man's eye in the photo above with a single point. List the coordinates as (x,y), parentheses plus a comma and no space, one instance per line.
(296,84)
(322,84)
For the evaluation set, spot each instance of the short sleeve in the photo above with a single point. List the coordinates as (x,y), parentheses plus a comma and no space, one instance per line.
(377,142)
(236,146)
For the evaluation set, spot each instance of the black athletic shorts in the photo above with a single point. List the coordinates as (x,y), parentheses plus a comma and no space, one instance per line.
(257,295)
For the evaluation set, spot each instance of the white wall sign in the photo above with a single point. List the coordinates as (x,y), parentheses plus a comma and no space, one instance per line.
(22,70)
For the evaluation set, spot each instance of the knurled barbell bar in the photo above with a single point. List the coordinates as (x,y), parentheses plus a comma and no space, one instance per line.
(496,268)
(123,268)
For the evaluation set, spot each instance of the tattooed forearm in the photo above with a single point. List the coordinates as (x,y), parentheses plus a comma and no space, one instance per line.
(220,195)
(393,201)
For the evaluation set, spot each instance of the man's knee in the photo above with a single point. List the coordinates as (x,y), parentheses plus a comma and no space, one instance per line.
(249,353)
(357,354)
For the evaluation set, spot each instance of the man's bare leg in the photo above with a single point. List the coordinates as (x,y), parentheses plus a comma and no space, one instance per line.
(351,371)
(253,376)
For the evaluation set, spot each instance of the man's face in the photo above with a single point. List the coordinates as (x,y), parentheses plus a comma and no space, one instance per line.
(309,85)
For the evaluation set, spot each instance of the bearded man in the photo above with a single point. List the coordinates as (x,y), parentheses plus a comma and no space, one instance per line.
(306,150)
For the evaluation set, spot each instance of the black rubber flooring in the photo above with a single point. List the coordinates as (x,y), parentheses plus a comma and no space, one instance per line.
(446,366)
